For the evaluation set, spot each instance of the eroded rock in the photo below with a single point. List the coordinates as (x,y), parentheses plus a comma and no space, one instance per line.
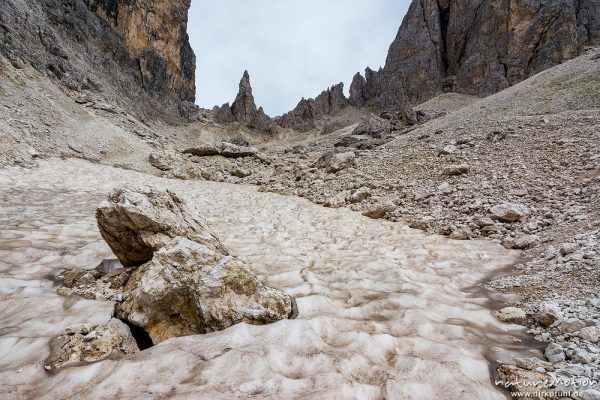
(190,288)
(373,126)
(137,222)
(88,345)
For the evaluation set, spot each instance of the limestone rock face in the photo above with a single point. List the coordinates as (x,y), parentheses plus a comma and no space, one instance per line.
(244,109)
(132,53)
(154,33)
(478,47)
(137,222)
(190,288)
(302,118)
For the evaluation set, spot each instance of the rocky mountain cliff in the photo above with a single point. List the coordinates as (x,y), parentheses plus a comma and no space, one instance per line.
(302,118)
(136,54)
(477,47)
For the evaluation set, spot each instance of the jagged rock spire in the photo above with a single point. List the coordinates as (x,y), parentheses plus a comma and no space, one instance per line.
(244,110)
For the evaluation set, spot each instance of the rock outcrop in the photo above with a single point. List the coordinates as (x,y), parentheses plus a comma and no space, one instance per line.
(477,47)
(244,109)
(303,117)
(178,278)
(132,53)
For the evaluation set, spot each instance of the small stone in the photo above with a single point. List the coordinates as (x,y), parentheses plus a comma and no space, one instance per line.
(71,277)
(548,314)
(240,172)
(456,170)
(335,201)
(231,150)
(532,363)
(568,248)
(448,150)
(379,210)
(571,325)
(83,329)
(555,353)
(579,356)
(360,195)
(482,222)
(445,188)
(590,333)
(341,161)
(522,242)
(86,279)
(512,315)
(461,234)
(90,336)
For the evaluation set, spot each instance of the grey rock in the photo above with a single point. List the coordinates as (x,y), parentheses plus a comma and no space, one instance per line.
(568,248)
(548,314)
(590,333)
(373,126)
(204,150)
(555,353)
(360,195)
(456,170)
(571,325)
(230,150)
(135,222)
(379,210)
(513,315)
(113,340)
(509,212)
(522,242)
(334,162)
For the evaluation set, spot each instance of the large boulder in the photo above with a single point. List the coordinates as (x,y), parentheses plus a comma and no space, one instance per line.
(334,162)
(190,288)
(373,126)
(230,150)
(178,279)
(137,222)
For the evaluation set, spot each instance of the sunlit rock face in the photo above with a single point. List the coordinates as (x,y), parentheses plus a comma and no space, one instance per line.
(155,34)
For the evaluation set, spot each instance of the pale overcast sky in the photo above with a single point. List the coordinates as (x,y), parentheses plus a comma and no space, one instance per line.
(291,48)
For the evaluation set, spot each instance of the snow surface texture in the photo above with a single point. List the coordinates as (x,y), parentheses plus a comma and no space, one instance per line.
(383,309)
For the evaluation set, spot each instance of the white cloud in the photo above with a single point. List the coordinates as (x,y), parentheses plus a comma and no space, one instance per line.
(292,49)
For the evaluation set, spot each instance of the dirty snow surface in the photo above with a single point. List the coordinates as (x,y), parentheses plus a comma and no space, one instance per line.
(384,311)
